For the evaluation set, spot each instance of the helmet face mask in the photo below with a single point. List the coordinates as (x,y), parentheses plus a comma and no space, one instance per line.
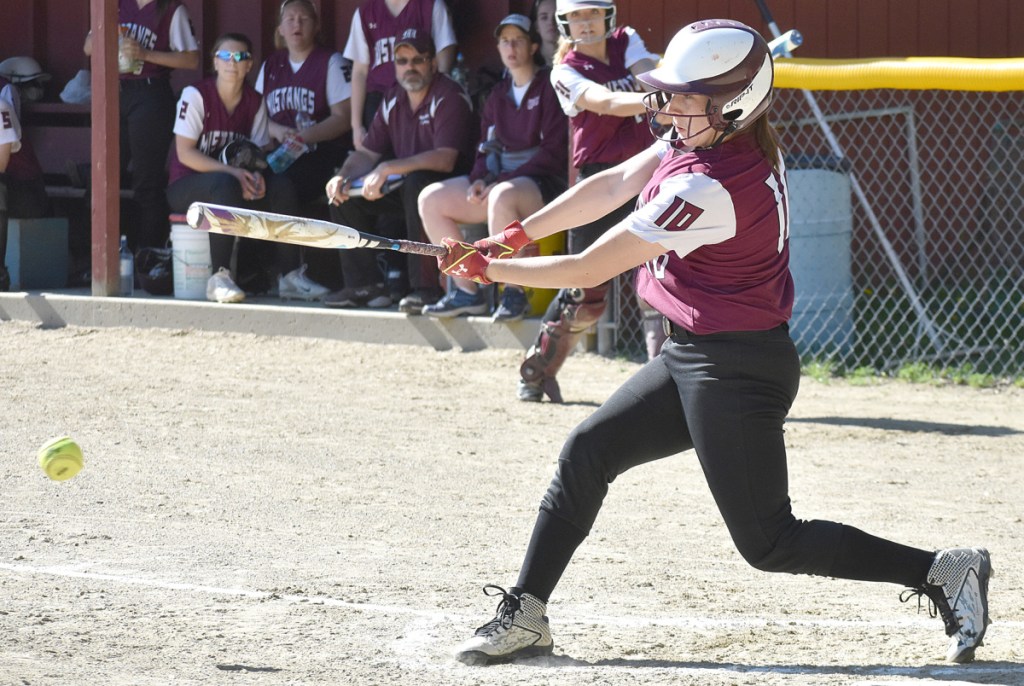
(675,127)
(724,60)
(564,7)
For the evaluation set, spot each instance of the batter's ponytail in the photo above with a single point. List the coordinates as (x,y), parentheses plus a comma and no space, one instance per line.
(768,140)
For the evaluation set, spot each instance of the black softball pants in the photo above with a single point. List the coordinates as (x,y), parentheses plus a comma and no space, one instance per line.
(222,188)
(726,396)
(147,130)
(360,267)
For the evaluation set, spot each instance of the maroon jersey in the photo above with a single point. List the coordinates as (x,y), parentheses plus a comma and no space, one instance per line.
(602,138)
(23,164)
(202,117)
(441,121)
(712,207)
(380,28)
(537,123)
(288,93)
(151,27)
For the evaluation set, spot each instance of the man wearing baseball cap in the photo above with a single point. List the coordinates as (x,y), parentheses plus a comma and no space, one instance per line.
(419,134)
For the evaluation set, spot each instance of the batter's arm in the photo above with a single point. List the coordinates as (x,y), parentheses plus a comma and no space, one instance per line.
(593,198)
(617,251)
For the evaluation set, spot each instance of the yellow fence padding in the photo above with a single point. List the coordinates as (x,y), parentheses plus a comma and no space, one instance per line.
(908,73)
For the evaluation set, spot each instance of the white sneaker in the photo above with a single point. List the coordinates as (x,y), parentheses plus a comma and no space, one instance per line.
(295,285)
(518,630)
(221,289)
(957,585)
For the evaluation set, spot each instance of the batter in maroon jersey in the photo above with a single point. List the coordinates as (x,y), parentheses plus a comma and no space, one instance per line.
(712,234)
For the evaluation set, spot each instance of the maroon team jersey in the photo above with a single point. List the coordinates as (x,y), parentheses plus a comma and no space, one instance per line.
(380,28)
(538,122)
(23,164)
(602,138)
(151,28)
(723,217)
(441,121)
(217,128)
(288,93)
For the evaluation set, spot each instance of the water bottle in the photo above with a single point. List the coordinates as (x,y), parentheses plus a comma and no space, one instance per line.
(459,73)
(124,64)
(127,269)
(302,122)
(286,153)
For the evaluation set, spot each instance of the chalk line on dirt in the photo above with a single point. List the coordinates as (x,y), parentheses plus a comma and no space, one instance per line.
(78,572)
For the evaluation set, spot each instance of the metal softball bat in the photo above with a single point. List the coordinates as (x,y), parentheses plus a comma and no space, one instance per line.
(315,233)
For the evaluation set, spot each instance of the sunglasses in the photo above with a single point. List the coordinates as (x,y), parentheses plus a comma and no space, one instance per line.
(228,56)
(416,61)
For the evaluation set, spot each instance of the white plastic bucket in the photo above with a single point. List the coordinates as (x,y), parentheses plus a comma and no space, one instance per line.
(191,257)
(821,227)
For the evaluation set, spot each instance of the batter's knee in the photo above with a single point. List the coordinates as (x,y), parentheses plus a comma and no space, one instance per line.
(803,547)
(581,481)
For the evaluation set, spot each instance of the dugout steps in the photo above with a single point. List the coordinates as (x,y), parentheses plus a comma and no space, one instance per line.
(265,316)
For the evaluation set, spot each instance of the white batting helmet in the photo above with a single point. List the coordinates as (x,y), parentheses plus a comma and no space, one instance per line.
(725,60)
(22,70)
(564,7)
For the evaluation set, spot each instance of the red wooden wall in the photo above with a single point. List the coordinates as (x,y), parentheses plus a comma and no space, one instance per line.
(52,31)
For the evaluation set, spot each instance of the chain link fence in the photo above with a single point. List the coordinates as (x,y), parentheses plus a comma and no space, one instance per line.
(908,248)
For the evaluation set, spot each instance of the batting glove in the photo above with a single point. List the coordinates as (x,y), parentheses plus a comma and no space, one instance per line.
(505,244)
(464,261)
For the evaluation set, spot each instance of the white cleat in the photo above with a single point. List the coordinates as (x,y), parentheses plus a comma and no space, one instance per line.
(957,585)
(221,289)
(295,285)
(519,630)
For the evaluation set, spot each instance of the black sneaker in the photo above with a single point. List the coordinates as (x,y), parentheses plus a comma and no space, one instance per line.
(375,296)
(513,305)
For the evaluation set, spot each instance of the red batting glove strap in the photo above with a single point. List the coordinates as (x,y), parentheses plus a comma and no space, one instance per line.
(505,244)
(464,261)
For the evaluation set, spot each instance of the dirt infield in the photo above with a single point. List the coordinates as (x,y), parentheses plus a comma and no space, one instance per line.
(296,511)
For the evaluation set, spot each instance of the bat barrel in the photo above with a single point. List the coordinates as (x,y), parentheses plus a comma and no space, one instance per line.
(786,43)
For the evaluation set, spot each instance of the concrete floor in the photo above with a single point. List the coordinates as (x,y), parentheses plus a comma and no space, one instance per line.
(264,316)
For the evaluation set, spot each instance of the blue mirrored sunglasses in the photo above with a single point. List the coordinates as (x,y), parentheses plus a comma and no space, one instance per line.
(227,56)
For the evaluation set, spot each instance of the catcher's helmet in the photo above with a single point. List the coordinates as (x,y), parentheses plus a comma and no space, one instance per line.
(725,60)
(244,154)
(564,7)
(22,70)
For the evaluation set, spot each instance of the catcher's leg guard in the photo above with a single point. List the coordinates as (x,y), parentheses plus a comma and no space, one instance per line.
(577,309)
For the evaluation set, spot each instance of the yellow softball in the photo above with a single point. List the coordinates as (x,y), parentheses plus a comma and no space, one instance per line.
(60,458)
